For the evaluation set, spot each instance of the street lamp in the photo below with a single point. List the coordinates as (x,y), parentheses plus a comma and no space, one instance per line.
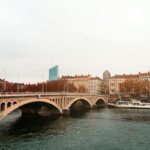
(42,83)
(5,84)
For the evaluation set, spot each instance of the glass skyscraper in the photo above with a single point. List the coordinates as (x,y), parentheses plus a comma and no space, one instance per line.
(53,73)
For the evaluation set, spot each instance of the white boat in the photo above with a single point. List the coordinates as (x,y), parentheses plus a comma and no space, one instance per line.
(129,104)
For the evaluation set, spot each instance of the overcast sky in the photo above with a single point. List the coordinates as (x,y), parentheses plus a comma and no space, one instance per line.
(81,36)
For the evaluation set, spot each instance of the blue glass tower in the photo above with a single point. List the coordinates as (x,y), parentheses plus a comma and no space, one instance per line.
(53,73)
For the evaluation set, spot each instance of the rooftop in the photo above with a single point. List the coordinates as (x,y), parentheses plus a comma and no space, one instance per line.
(131,75)
(77,76)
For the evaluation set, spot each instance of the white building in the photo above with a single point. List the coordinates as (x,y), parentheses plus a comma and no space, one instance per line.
(144,76)
(95,86)
(114,84)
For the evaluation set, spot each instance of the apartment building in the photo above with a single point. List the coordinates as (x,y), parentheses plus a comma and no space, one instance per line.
(91,85)
(115,81)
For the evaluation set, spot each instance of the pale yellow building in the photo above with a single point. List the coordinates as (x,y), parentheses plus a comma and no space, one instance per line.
(78,80)
(86,83)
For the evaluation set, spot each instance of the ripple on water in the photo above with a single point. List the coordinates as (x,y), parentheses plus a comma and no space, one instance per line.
(105,129)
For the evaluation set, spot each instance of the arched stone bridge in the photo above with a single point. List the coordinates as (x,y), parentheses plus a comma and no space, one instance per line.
(60,101)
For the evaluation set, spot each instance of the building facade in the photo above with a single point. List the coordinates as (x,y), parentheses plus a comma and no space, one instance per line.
(95,86)
(106,77)
(80,81)
(2,85)
(86,83)
(117,80)
(144,76)
(53,73)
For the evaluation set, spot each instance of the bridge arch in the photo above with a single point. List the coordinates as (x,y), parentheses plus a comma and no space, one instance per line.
(77,99)
(14,102)
(3,106)
(25,102)
(100,101)
(9,104)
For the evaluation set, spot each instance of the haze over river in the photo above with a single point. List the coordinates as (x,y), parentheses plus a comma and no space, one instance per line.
(103,129)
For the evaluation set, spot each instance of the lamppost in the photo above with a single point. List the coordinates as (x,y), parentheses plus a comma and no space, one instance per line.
(5,84)
(42,90)
(18,82)
(67,86)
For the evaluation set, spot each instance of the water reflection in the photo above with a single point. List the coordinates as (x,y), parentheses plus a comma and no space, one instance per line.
(132,115)
(79,113)
(28,124)
(109,129)
(33,124)
(144,119)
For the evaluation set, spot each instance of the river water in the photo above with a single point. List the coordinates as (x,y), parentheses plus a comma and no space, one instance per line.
(104,129)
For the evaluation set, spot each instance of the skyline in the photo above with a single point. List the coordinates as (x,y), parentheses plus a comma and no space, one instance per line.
(82,37)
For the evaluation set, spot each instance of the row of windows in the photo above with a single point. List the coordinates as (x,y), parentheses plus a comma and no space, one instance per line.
(117,80)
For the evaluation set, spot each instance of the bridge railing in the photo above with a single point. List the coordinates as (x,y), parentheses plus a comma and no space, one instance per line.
(45,93)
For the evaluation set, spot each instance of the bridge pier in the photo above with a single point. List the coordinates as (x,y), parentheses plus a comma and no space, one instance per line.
(66,112)
(95,106)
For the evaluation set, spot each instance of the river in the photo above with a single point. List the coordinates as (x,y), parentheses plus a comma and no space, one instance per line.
(103,129)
